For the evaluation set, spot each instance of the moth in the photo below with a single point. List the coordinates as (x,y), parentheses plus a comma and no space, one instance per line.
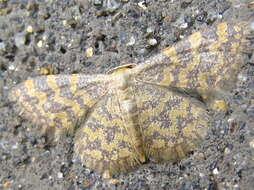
(140,112)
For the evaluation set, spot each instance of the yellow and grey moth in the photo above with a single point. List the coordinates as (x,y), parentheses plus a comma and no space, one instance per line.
(139,112)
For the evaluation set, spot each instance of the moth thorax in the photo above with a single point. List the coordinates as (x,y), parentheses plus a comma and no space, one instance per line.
(129,106)
(121,81)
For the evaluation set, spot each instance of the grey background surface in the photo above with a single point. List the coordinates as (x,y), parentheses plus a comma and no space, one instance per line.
(119,33)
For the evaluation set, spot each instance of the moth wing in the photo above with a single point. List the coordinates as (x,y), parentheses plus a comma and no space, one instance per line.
(172,125)
(107,142)
(206,61)
(58,102)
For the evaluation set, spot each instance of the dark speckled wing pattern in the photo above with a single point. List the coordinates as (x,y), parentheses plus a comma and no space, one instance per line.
(206,62)
(110,141)
(58,102)
(171,124)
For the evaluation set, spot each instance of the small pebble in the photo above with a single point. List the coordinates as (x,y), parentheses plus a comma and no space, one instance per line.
(227,150)
(33,159)
(98,2)
(29,29)
(252,25)
(181,36)
(2,46)
(39,44)
(20,39)
(152,42)
(150,30)
(15,146)
(142,51)
(44,37)
(215,171)
(111,5)
(199,156)
(122,36)
(252,143)
(142,5)
(180,23)
(46,70)
(242,77)
(183,25)
(236,187)
(70,22)
(220,16)
(74,160)
(11,67)
(132,41)
(89,52)
(64,22)
(60,175)
(232,119)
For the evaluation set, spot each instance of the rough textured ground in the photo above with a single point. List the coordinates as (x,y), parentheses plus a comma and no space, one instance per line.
(119,33)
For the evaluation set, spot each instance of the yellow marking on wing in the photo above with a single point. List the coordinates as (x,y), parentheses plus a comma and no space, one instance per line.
(97,154)
(41,96)
(16,93)
(98,133)
(234,51)
(222,37)
(190,128)
(170,52)
(220,105)
(202,79)
(167,72)
(113,145)
(125,152)
(153,126)
(63,116)
(73,79)
(180,110)
(173,114)
(114,157)
(200,121)
(215,47)
(153,111)
(68,102)
(237,36)
(93,135)
(106,121)
(87,99)
(234,47)
(195,41)
(179,151)
(158,143)
(237,28)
